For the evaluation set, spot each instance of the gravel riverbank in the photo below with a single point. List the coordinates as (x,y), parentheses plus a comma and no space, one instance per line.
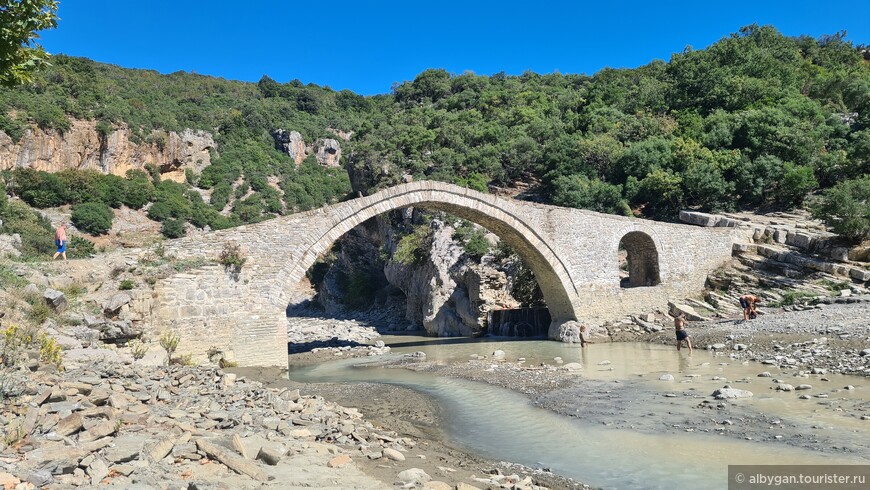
(802,347)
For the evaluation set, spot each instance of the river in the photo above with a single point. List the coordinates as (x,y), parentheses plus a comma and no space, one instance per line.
(501,424)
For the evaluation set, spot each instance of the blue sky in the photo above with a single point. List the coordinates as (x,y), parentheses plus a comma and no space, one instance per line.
(366,46)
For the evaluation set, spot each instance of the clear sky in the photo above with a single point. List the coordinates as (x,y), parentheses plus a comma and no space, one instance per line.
(365,46)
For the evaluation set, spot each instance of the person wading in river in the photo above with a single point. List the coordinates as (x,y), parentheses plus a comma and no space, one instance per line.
(60,241)
(680,330)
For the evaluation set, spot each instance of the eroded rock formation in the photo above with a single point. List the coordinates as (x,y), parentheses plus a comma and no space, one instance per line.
(327,151)
(83,147)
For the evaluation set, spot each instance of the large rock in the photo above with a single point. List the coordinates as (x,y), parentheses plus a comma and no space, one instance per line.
(328,152)
(291,143)
(113,306)
(676,309)
(727,393)
(55,299)
(569,332)
(414,475)
(10,245)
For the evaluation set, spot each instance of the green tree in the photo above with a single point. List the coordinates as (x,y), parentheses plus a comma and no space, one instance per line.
(20,54)
(845,208)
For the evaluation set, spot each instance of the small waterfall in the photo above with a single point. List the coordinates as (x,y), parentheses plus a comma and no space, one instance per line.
(518,322)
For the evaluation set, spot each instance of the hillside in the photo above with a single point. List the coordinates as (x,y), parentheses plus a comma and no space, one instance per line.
(756,122)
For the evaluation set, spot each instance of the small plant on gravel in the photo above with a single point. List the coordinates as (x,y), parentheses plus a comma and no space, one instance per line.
(74,290)
(126,285)
(50,352)
(40,312)
(186,360)
(15,339)
(138,348)
(169,341)
(793,297)
(223,363)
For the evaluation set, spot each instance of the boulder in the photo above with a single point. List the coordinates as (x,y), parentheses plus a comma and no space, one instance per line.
(676,309)
(55,299)
(112,307)
(569,332)
(291,143)
(414,475)
(727,393)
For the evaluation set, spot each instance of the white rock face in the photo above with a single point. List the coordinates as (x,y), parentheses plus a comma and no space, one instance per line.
(83,147)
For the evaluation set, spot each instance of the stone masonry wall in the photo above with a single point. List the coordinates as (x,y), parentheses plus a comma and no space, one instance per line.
(574,254)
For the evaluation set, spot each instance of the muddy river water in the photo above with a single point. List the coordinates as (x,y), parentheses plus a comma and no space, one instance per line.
(501,424)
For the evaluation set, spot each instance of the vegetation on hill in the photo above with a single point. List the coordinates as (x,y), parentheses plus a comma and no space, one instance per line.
(757,120)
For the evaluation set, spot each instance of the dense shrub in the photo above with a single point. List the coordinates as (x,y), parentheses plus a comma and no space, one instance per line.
(92,217)
(172,228)
(845,208)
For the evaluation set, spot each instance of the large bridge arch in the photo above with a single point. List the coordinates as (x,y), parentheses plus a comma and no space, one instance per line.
(496,215)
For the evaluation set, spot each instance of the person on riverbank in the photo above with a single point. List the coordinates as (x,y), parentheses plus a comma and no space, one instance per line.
(60,241)
(749,303)
(681,333)
(584,338)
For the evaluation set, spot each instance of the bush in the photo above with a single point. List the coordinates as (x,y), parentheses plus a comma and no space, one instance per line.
(80,248)
(92,217)
(126,285)
(845,208)
(173,228)
(232,256)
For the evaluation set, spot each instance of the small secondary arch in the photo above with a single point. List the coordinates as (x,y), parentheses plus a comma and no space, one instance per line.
(642,260)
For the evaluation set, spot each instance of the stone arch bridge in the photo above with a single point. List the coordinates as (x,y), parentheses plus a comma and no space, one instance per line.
(573,253)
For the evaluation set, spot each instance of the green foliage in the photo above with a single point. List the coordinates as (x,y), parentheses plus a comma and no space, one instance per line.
(172,228)
(792,297)
(126,285)
(138,349)
(845,208)
(751,121)
(473,239)
(413,247)
(80,247)
(20,54)
(50,352)
(578,191)
(92,217)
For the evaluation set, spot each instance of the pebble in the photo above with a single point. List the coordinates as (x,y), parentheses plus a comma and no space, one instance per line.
(391,453)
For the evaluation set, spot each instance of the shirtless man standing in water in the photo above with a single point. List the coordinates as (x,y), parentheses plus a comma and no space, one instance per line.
(680,330)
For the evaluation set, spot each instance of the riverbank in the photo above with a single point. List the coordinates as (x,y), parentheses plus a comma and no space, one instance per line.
(806,347)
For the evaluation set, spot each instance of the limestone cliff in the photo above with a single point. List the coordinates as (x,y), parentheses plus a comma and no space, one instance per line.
(84,147)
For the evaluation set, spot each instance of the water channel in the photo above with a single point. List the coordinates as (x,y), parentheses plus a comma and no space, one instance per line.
(503,425)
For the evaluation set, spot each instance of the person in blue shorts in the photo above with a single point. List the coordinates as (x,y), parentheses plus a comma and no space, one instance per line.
(60,241)
(680,330)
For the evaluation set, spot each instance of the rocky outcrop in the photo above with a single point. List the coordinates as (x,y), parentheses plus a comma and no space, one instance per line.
(83,147)
(291,143)
(327,151)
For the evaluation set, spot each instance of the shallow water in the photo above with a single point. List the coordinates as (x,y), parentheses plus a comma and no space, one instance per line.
(501,424)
